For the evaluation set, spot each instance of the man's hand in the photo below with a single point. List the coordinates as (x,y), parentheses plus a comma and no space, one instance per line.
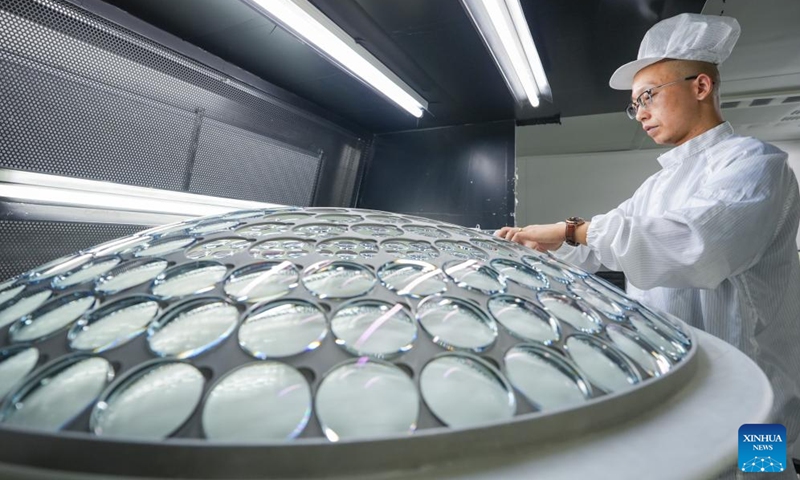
(537,237)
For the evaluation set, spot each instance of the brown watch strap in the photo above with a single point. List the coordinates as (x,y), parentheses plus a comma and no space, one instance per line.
(572,225)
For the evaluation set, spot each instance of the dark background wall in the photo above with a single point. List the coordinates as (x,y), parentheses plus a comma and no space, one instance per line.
(93,93)
(93,98)
(462,174)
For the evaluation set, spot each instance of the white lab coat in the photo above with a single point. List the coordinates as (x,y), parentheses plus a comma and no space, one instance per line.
(711,239)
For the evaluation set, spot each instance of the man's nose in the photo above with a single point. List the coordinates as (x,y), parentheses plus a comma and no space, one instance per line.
(642,114)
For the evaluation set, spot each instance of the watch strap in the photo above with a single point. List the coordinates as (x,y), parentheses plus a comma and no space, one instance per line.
(572,225)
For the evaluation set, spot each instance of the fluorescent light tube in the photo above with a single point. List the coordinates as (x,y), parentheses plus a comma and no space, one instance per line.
(532,55)
(305,21)
(42,189)
(505,31)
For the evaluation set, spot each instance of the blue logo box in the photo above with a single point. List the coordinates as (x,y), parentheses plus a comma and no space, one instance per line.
(762,447)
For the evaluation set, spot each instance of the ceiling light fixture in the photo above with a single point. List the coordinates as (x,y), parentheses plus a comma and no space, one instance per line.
(505,31)
(303,20)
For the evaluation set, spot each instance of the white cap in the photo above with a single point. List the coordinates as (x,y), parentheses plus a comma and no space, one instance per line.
(688,36)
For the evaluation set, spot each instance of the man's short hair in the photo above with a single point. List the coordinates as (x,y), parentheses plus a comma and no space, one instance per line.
(685,68)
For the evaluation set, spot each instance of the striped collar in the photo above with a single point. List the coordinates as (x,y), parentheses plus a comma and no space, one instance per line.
(696,145)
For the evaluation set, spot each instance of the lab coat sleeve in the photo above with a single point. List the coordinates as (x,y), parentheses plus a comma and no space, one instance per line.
(722,230)
(583,256)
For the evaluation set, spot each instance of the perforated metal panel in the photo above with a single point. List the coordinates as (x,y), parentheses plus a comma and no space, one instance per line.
(87,98)
(27,244)
(232,159)
(64,126)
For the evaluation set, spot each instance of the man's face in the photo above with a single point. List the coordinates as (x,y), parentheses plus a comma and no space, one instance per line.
(669,118)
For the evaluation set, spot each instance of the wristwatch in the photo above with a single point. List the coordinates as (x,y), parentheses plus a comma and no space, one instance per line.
(572,224)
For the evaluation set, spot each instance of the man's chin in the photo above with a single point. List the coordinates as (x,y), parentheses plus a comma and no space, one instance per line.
(659,140)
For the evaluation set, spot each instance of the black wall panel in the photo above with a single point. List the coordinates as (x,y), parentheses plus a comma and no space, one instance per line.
(87,97)
(463,174)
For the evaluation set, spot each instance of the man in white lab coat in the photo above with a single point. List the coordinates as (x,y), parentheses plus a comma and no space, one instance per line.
(711,237)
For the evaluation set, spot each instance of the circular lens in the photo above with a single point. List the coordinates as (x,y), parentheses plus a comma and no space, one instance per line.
(494,247)
(524,319)
(374,328)
(545,378)
(639,350)
(665,326)
(551,271)
(282,329)
(430,232)
(377,230)
(281,248)
(58,392)
(15,364)
(366,398)
(9,293)
(520,274)
(666,343)
(520,249)
(338,279)
(21,306)
(566,266)
(218,248)
(320,231)
(262,282)
(461,250)
(599,301)
(474,275)
(412,278)
(610,291)
(389,219)
(129,275)
(113,324)
(164,246)
(266,401)
(605,366)
(454,323)
(340,218)
(464,391)
(58,267)
(120,245)
(88,272)
(188,279)
(348,248)
(410,249)
(205,228)
(571,311)
(266,229)
(151,402)
(459,231)
(192,328)
(51,317)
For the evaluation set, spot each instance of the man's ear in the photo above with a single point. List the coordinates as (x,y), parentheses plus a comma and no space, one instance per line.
(704,86)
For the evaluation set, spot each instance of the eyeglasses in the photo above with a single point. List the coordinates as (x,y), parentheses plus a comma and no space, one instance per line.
(646,98)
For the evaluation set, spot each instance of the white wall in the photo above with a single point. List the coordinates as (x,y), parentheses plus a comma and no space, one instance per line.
(551,188)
